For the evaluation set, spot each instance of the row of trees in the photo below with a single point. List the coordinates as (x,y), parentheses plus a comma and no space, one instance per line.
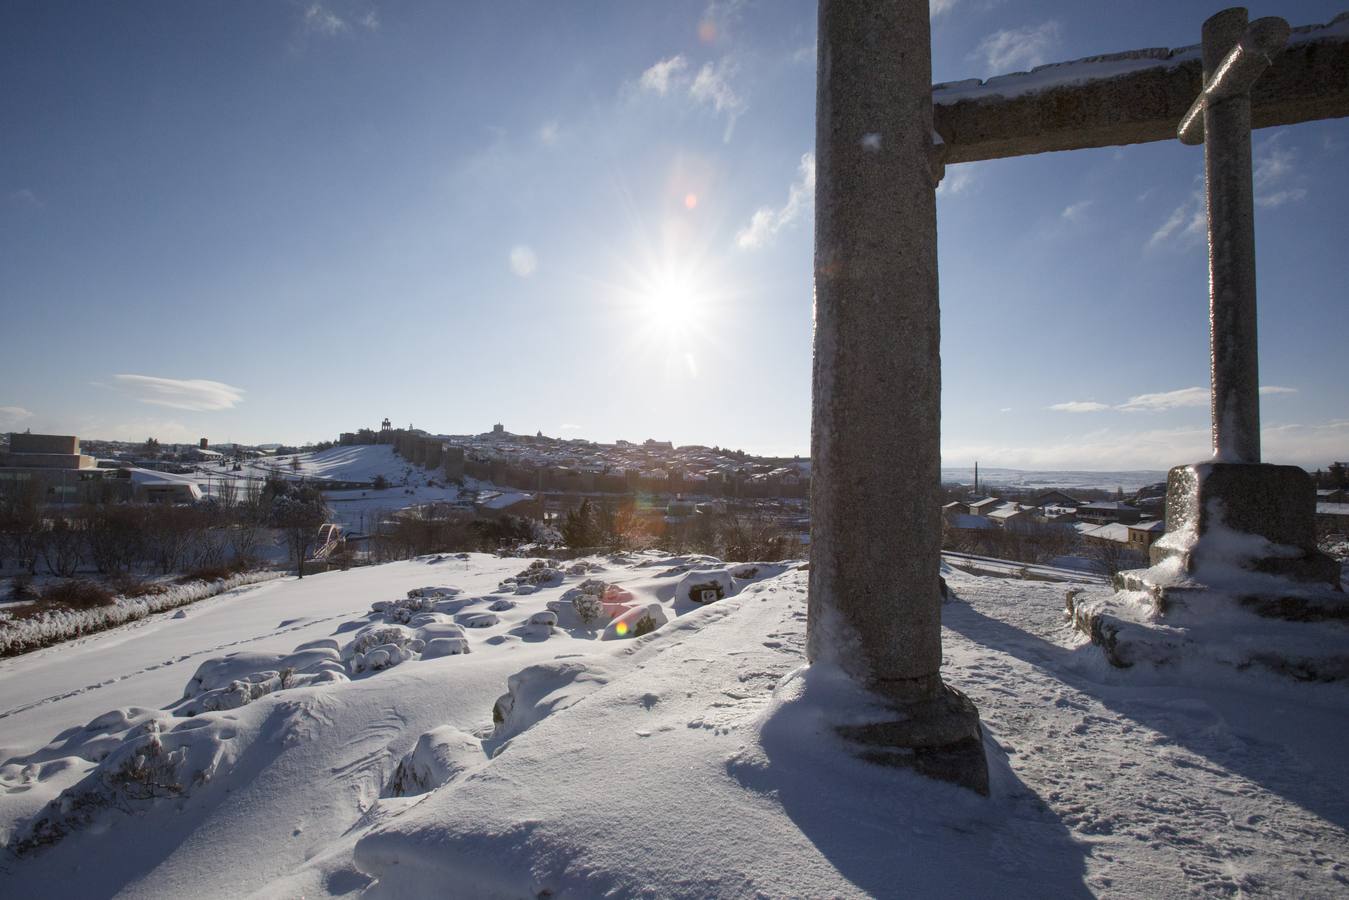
(730,536)
(440,528)
(121,538)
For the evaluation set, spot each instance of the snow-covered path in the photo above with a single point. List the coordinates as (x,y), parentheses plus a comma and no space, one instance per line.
(1227,785)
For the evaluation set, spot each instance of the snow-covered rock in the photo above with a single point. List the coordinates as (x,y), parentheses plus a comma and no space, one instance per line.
(635,622)
(706,586)
(445,646)
(441,755)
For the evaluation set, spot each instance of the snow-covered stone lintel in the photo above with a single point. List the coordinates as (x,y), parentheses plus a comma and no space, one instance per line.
(1133,97)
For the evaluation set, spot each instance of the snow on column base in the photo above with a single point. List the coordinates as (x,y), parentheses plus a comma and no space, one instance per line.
(939,738)
(1174,621)
(1255,516)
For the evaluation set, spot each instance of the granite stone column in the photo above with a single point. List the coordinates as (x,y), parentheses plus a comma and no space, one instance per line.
(1231,259)
(875,601)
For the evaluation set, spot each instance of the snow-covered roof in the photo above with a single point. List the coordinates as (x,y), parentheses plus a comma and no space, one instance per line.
(1115,531)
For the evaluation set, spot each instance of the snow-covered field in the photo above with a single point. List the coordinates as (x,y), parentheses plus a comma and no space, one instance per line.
(358,509)
(288,741)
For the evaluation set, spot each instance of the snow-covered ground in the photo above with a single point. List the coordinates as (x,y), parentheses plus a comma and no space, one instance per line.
(357,509)
(690,761)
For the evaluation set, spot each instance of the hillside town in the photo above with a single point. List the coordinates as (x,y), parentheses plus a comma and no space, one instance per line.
(374,482)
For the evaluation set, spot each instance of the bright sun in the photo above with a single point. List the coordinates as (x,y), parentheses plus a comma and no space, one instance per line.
(671,305)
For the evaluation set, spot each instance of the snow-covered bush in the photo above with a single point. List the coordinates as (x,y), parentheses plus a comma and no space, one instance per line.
(539,573)
(150,764)
(478,620)
(52,626)
(440,756)
(635,622)
(589,608)
(445,646)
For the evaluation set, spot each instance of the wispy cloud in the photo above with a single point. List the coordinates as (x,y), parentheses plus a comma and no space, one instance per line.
(1177,399)
(1015,49)
(1187,224)
(195,394)
(1079,406)
(548,133)
(524,261)
(664,75)
(767,221)
(11,416)
(25,198)
(1309,445)
(1275,173)
(718,19)
(940,7)
(325,18)
(1077,212)
(958,180)
(1182,398)
(712,87)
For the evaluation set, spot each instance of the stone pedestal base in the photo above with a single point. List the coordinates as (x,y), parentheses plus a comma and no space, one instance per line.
(940,738)
(1163,617)
(1258,516)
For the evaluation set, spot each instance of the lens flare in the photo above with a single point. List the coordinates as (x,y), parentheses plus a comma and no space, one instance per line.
(621,628)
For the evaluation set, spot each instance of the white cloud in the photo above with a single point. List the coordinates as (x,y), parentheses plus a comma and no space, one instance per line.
(1187,224)
(1015,49)
(1077,212)
(320,18)
(1273,167)
(1178,399)
(663,75)
(1079,406)
(767,222)
(548,133)
(196,394)
(958,180)
(523,260)
(940,7)
(1109,449)
(1183,398)
(25,198)
(712,87)
(11,416)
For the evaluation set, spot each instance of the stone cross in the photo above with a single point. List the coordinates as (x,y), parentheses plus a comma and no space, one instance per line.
(883,136)
(1234,57)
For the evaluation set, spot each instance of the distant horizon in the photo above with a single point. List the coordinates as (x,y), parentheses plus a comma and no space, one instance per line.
(984,468)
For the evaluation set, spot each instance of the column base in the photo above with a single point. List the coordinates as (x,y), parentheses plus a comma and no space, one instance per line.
(939,738)
(1165,618)
(1252,516)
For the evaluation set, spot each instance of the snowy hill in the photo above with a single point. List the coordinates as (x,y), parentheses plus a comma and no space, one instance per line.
(290,740)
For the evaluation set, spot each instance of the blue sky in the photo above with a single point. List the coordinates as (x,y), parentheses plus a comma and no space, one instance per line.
(262,221)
